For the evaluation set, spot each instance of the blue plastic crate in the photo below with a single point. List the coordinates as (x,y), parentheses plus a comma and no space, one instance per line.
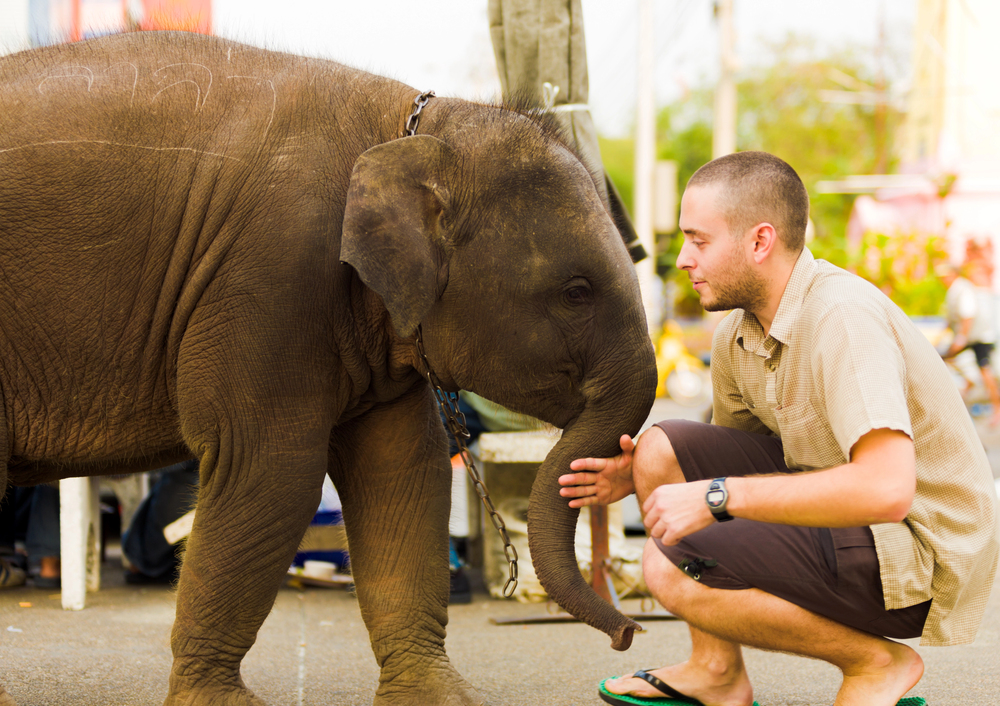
(339,557)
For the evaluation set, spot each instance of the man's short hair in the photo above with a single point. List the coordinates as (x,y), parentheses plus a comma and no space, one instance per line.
(758,187)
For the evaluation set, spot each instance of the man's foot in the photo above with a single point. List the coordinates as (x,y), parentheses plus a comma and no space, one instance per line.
(884,680)
(49,576)
(726,686)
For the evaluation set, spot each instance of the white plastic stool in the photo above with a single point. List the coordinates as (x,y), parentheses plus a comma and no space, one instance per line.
(80,537)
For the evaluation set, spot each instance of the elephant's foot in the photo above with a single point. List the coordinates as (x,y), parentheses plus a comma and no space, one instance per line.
(440,685)
(5,698)
(213,697)
(186,693)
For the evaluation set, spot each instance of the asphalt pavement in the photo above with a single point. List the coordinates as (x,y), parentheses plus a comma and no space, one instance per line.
(313,649)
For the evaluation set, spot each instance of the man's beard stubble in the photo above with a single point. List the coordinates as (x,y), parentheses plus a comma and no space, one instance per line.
(738,287)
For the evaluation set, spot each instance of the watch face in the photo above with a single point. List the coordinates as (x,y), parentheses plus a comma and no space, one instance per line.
(715,497)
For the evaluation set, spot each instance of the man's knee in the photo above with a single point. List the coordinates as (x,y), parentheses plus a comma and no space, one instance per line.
(654,463)
(669,585)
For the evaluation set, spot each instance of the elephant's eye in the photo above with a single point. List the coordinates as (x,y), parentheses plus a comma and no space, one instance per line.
(578,295)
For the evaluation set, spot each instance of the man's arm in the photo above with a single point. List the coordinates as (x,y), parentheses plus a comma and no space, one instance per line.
(877,485)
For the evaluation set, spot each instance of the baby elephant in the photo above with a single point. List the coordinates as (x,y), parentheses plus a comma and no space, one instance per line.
(259,260)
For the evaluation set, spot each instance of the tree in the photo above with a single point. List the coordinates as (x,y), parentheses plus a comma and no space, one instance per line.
(782,110)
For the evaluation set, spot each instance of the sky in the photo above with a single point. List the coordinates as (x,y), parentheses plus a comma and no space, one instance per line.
(445,45)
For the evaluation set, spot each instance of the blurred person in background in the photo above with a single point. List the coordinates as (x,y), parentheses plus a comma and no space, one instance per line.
(971,316)
(12,562)
(150,557)
(29,537)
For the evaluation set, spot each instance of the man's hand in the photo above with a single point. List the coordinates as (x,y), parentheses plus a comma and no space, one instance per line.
(673,511)
(603,480)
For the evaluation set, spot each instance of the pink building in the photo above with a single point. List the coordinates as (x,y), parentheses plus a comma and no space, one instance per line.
(950,144)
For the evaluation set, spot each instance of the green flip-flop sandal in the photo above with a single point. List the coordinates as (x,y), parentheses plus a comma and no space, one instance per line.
(676,698)
(672,696)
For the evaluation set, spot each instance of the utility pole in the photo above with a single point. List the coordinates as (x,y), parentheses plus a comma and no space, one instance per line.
(724,125)
(882,105)
(645,158)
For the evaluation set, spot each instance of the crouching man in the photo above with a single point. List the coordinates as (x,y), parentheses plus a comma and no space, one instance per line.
(841,496)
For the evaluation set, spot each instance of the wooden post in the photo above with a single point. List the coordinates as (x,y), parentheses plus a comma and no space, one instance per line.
(599,550)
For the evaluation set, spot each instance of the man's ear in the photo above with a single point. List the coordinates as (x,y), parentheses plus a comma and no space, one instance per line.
(393,232)
(764,241)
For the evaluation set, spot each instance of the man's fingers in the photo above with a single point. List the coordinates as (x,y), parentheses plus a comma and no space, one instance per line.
(577,491)
(577,479)
(589,464)
(647,507)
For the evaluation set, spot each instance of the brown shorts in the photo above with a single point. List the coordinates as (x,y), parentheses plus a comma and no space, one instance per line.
(833,572)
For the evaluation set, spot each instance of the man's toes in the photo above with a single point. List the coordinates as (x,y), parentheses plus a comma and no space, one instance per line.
(624,685)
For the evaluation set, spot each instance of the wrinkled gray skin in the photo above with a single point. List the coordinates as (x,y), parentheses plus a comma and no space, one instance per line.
(209,249)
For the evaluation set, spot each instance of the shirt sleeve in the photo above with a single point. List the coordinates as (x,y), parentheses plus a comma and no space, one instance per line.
(860,373)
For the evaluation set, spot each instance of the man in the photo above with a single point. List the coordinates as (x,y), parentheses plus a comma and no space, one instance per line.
(971,318)
(863,502)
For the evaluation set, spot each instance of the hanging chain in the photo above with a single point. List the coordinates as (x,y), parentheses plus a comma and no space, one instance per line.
(411,122)
(455,421)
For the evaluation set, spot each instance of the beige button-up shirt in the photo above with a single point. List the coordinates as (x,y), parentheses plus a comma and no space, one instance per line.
(841,360)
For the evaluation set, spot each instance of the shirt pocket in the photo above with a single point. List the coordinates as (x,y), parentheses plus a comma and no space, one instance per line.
(807,438)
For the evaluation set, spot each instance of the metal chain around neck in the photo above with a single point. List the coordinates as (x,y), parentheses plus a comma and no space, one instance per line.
(455,421)
(420,102)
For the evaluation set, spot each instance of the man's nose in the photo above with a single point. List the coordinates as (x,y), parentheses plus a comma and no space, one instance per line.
(684,261)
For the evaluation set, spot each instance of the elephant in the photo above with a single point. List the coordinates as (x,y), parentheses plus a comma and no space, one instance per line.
(259,260)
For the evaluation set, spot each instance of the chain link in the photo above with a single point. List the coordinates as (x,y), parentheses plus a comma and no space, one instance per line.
(411,122)
(455,421)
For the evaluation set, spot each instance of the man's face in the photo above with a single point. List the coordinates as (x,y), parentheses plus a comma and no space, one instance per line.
(717,261)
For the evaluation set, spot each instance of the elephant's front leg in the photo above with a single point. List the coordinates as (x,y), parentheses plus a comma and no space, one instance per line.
(255,502)
(392,472)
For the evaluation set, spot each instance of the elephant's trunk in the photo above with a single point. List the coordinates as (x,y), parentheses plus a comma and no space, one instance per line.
(552,522)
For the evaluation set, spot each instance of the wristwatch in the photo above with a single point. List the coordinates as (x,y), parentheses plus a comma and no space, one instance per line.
(717,498)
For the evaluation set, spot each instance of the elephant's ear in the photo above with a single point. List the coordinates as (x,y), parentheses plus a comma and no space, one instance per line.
(393,233)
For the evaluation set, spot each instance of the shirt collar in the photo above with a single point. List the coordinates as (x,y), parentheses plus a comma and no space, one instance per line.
(792,297)
(750,334)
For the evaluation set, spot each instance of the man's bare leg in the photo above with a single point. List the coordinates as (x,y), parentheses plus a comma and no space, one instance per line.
(654,463)
(877,672)
(990,383)
(714,673)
